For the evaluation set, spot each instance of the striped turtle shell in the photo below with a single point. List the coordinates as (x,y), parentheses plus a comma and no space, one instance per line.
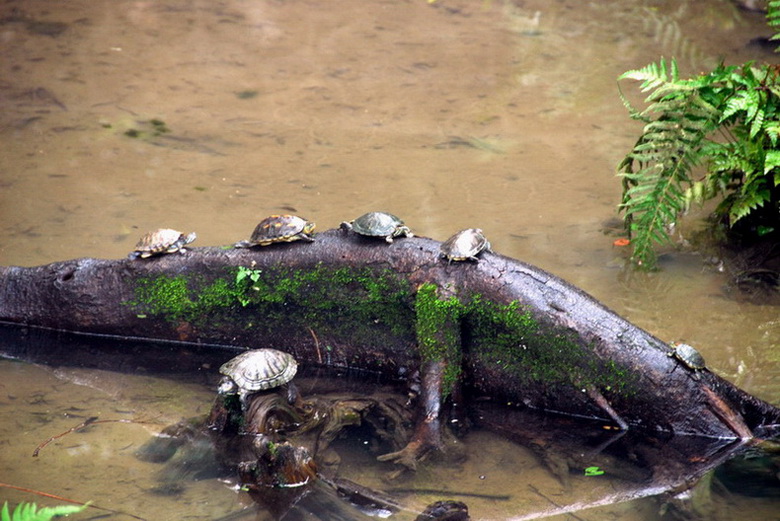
(378,224)
(279,228)
(164,240)
(688,355)
(260,369)
(465,245)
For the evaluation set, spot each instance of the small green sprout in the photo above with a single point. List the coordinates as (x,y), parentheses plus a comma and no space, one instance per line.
(593,471)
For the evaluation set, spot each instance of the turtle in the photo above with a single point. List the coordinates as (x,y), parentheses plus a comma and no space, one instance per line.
(445,511)
(378,224)
(158,242)
(279,228)
(688,355)
(256,370)
(465,245)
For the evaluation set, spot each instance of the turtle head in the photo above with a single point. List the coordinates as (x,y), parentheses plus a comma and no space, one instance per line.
(190,237)
(227,386)
(308,227)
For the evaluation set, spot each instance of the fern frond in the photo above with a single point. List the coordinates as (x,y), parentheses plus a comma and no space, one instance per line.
(656,171)
(757,123)
(737,103)
(773,18)
(30,512)
(772,161)
(652,75)
(746,203)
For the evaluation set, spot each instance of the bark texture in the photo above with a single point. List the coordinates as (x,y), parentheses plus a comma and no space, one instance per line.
(523,336)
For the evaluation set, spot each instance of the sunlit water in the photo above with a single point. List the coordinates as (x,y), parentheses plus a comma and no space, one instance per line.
(451,114)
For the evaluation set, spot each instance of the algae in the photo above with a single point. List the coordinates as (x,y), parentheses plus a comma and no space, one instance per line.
(534,353)
(359,303)
(373,308)
(438,332)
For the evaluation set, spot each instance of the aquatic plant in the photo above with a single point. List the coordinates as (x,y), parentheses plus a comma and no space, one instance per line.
(30,512)
(727,120)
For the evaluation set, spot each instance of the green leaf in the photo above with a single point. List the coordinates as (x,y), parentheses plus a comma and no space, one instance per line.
(771,161)
(29,512)
(745,203)
(593,471)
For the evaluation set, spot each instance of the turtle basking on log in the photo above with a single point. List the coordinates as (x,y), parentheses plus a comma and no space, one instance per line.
(258,370)
(279,228)
(465,245)
(158,242)
(378,224)
(502,328)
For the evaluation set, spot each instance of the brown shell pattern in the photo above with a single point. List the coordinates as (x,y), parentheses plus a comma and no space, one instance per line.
(465,245)
(162,240)
(281,228)
(260,369)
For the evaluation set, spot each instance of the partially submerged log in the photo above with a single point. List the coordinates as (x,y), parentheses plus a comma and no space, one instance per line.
(504,328)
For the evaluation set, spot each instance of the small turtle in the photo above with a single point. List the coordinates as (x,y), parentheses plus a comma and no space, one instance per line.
(465,245)
(378,224)
(279,228)
(689,356)
(256,370)
(164,240)
(445,511)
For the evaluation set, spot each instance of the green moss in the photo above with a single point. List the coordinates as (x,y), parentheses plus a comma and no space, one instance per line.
(176,299)
(355,302)
(163,296)
(373,308)
(438,332)
(533,353)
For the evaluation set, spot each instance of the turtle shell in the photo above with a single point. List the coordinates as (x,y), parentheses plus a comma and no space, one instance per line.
(689,356)
(379,224)
(164,240)
(260,369)
(448,510)
(279,228)
(465,245)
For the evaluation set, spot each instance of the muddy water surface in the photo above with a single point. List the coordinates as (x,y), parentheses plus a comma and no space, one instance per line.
(119,117)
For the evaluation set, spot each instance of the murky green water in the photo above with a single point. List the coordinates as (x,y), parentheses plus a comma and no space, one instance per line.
(497,114)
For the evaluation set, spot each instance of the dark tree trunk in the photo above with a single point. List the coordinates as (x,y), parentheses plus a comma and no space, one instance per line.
(523,335)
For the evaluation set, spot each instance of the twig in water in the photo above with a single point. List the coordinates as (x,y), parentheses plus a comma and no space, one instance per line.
(66,500)
(316,344)
(93,420)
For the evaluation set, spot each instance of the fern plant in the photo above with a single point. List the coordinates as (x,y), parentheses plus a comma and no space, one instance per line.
(30,512)
(727,121)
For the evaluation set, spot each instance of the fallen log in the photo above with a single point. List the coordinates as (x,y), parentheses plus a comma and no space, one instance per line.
(505,329)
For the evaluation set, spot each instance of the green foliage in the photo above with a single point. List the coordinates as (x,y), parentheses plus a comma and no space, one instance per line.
(728,121)
(773,17)
(593,471)
(438,331)
(30,512)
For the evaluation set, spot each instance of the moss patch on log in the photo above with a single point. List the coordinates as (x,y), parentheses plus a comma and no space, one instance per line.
(532,353)
(439,333)
(374,307)
(181,298)
(357,303)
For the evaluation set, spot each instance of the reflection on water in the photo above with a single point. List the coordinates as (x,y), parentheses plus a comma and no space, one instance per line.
(511,464)
(120,117)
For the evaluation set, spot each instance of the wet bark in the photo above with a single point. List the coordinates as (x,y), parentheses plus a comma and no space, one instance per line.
(526,336)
